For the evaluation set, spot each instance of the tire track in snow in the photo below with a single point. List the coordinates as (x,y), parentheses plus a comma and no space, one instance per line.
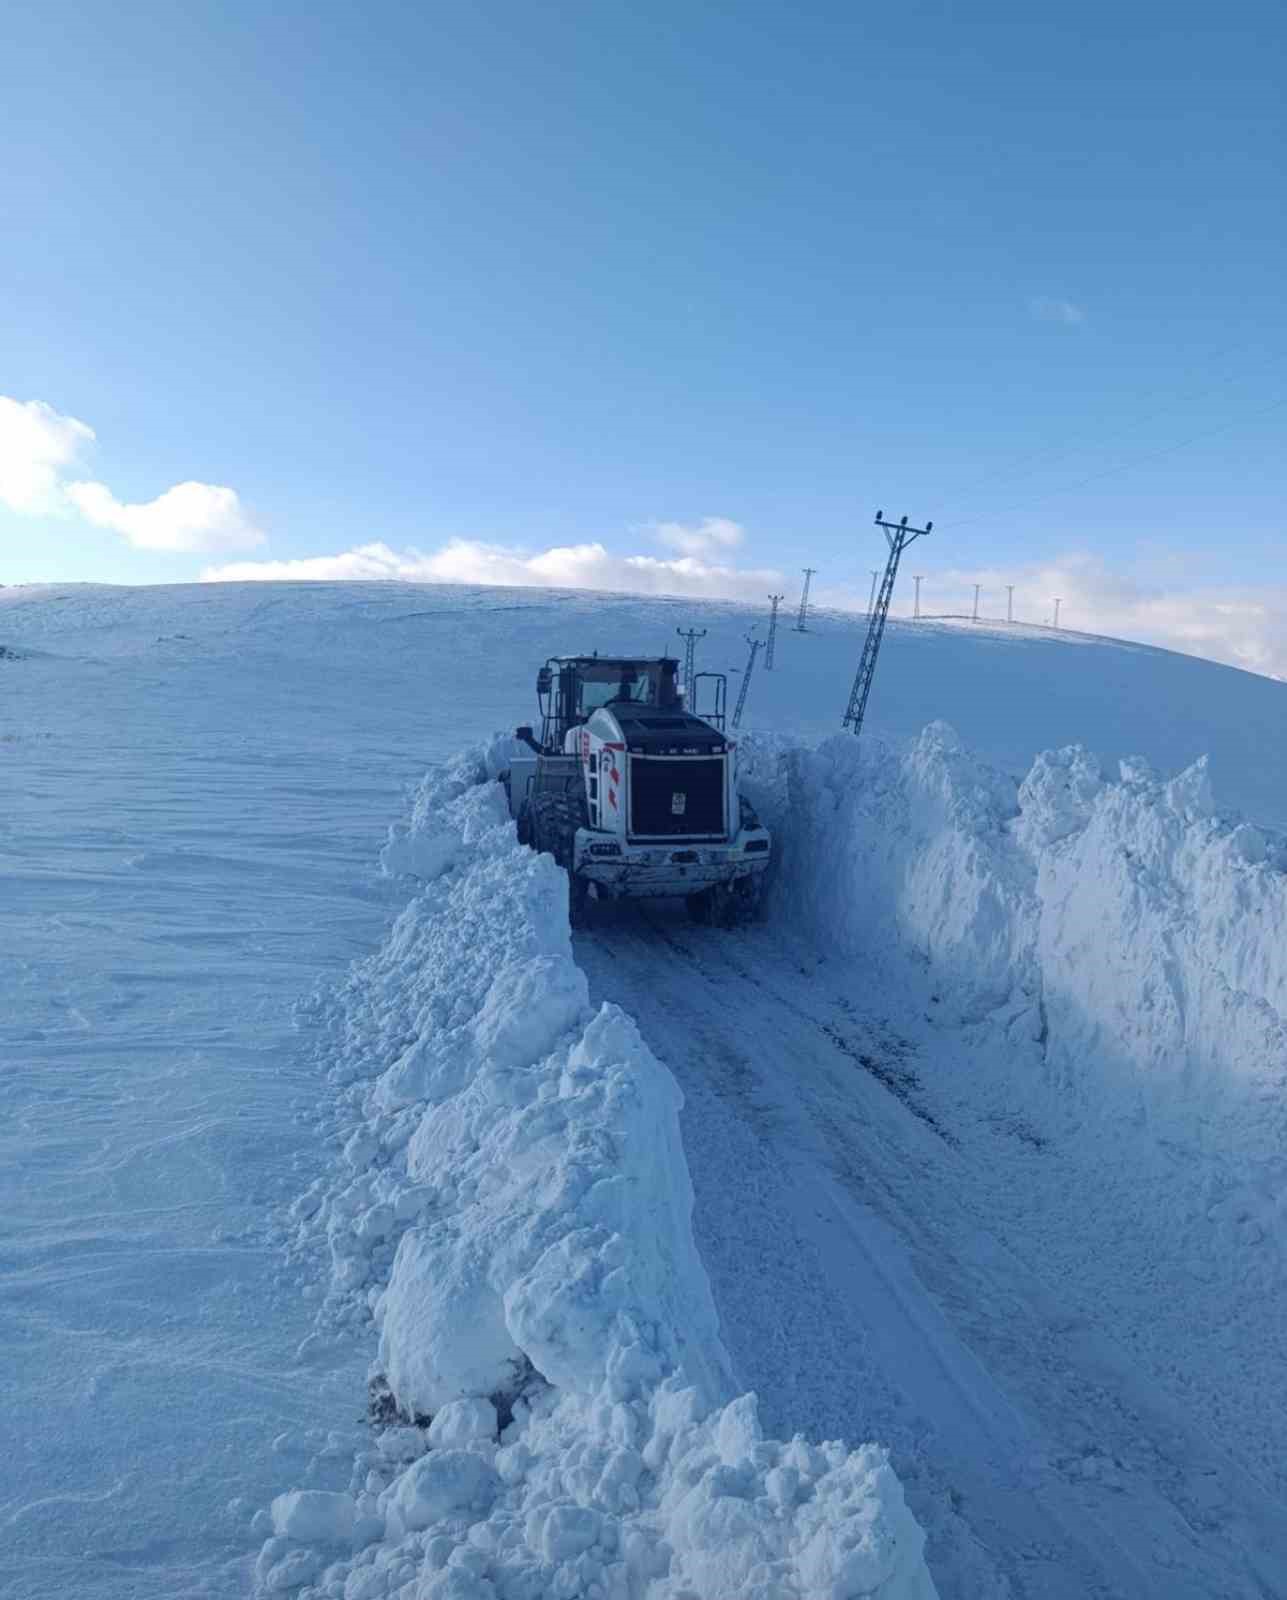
(835,1195)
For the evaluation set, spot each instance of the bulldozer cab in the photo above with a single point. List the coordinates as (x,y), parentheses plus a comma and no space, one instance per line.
(570,689)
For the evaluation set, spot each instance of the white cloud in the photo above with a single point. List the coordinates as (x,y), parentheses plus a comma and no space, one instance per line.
(366,562)
(191,518)
(1047,308)
(1240,627)
(576,566)
(36,445)
(707,538)
(39,448)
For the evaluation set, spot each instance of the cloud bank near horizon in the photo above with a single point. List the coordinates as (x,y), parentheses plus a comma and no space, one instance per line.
(40,448)
(698,571)
(1237,627)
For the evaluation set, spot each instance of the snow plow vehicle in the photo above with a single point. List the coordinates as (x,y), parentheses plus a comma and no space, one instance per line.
(633,794)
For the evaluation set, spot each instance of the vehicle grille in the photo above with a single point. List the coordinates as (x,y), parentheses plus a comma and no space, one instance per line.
(656,810)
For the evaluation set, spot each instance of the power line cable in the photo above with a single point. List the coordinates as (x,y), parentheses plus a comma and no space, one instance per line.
(1058,451)
(1121,466)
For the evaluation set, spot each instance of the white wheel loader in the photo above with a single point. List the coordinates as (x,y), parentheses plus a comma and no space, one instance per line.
(633,794)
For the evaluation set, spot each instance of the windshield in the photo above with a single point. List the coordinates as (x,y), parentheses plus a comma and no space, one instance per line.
(614,682)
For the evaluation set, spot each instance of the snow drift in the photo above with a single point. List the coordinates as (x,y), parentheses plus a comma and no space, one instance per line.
(1113,952)
(1121,922)
(516,1214)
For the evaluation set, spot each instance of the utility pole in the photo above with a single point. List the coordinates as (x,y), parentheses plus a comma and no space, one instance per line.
(899,536)
(916,610)
(690,650)
(746,677)
(871,604)
(775,600)
(1009,602)
(804,598)
(1058,603)
(976,601)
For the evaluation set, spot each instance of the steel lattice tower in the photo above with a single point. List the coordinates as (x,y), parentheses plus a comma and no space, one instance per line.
(746,678)
(775,600)
(690,639)
(804,598)
(899,536)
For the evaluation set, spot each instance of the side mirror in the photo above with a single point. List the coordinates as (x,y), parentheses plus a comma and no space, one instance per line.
(527,737)
(544,678)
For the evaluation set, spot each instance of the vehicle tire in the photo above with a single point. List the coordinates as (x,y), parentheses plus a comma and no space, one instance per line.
(700,906)
(745,901)
(554,821)
(578,902)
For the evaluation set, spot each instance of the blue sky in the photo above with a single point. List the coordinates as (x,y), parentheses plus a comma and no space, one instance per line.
(526,276)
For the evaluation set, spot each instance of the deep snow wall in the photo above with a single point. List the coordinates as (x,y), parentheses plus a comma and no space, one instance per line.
(1121,923)
(1113,953)
(513,1209)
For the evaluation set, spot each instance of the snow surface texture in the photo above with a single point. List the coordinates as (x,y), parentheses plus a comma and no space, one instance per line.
(525,1148)
(1053,1288)
(1117,953)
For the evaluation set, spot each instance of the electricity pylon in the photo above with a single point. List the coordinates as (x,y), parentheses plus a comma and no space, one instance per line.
(775,600)
(804,598)
(899,536)
(746,677)
(690,650)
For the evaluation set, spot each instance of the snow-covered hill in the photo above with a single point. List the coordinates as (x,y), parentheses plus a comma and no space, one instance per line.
(984,1125)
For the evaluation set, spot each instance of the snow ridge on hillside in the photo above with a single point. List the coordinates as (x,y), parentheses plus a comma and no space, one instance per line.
(515,1212)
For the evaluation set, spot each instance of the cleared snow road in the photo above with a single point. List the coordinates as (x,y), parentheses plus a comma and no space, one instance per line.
(841,1214)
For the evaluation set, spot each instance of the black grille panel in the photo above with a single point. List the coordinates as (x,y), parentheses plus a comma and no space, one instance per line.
(657,812)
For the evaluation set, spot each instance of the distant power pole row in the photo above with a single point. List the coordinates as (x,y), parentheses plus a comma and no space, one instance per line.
(899,536)
(1056,602)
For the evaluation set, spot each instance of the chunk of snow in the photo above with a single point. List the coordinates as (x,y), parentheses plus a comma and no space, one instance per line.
(439,1485)
(313,1515)
(462,1422)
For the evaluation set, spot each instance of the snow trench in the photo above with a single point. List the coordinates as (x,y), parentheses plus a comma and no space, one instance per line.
(513,1205)
(514,1211)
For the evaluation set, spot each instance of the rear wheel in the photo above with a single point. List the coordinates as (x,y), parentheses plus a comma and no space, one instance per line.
(700,906)
(725,905)
(554,821)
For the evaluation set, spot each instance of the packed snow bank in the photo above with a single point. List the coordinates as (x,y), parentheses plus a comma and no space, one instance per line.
(1141,938)
(516,1213)
(1113,953)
